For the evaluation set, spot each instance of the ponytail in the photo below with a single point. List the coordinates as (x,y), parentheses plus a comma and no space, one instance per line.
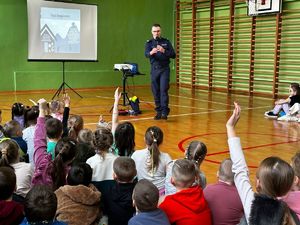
(72,133)
(153,137)
(65,151)
(196,152)
(75,124)
(9,152)
(58,172)
(102,140)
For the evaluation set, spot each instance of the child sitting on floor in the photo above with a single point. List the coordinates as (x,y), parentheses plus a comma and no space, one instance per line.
(145,199)
(79,201)
(10,157)
(102,162)
(11,212)
(117,193)
(40,207)
(150,162)
(13,130)
(285,104)
(196,153)
(274,179)
(187,205)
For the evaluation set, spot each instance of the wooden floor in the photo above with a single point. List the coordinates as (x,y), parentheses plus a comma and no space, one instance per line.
(199,115)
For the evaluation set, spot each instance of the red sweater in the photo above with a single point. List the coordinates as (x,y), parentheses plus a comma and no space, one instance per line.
(187,207)
(11,212)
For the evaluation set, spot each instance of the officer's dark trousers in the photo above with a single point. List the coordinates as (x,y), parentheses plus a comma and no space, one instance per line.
(160,78)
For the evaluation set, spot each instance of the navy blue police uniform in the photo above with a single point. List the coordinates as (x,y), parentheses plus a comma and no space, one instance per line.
(160,73)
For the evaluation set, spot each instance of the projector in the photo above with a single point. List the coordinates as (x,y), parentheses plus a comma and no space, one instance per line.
(123,67)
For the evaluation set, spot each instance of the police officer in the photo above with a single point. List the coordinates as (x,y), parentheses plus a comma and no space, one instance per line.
(159,50)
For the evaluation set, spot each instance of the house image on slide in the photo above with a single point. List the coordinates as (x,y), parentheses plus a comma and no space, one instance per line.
(56,44)
(47,39)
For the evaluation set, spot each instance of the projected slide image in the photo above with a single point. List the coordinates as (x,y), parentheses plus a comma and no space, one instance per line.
(60,30)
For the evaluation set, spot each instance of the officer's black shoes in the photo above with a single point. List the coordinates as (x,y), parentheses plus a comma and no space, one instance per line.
(164,117)
(157,117)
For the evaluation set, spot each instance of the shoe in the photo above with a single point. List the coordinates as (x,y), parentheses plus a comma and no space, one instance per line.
(157,117)
(164,117)
(270,114)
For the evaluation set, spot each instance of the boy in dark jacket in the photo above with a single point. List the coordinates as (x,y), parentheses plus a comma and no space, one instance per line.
(117,193)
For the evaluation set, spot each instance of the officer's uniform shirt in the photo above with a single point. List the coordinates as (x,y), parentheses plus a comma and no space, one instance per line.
(159,59)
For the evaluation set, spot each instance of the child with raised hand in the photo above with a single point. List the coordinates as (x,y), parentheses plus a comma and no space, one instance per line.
(187,205)
(124,133)
(102,162)
(274,179)
(79,201)
(285,104)
(10,157)
(57,109)
(145,199)
(40,207)
(48,172)
(150,162)
(11,212)
(195,152)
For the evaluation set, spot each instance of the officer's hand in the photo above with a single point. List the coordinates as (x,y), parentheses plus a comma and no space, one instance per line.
(160,48)
(153,51)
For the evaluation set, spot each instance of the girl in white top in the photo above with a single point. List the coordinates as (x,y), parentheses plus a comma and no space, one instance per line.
(151,163)
(9,150)
(102,162)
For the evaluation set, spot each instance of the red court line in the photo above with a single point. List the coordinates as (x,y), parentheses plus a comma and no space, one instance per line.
(180,144)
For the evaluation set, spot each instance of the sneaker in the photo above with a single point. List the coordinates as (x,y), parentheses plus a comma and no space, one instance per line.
(157,117)
(270,114)
(164,117)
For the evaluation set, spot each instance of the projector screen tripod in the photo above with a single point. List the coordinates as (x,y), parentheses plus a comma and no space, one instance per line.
(63,84)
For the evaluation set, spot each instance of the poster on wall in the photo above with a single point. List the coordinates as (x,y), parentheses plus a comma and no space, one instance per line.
(263,7)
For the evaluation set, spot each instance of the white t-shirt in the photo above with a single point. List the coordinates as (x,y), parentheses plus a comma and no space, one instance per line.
(141,157)
(102,168)
(24,173)
(28,135)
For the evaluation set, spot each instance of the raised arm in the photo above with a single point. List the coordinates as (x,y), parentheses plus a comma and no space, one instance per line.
(67,101)
(40,144)
(115,112)
(239,166)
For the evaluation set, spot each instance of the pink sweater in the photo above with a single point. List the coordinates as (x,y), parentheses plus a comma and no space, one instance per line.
(41,159)
(292,200)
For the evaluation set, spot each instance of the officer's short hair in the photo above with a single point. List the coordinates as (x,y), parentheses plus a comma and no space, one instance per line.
(156,25)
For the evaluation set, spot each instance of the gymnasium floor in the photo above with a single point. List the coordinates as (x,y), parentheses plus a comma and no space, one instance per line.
(198,115)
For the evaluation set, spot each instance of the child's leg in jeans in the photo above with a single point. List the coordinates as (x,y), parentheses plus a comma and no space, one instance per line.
(286,108)
(277,109)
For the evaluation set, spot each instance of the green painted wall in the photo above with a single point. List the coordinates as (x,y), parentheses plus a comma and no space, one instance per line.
(123,28)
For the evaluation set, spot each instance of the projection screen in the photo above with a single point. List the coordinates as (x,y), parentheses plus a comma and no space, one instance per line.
(61,31)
